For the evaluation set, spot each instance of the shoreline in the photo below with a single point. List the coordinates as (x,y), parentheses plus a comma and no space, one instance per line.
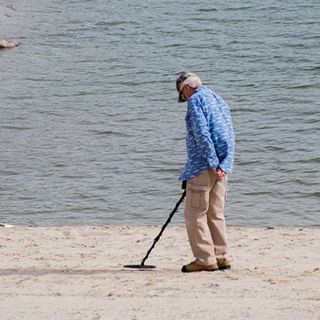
(153,225)
(77,273)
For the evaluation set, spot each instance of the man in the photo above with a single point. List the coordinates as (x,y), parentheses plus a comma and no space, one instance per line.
(210,148)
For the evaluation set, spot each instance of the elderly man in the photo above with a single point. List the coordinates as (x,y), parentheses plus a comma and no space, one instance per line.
(210,148)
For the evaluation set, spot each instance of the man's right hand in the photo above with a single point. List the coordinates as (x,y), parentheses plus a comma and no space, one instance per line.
(220,174)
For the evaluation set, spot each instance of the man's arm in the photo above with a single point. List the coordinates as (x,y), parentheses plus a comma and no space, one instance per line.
(201,134)
(224,143)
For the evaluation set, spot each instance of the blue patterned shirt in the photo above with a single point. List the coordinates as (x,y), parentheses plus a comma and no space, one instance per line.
(210,137)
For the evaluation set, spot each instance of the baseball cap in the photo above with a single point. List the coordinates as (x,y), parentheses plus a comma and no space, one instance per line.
(181,82)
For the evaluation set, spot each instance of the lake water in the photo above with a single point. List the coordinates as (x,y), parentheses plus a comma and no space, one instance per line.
(90,129)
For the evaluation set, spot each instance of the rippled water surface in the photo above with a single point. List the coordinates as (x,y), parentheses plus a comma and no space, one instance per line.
(90,129)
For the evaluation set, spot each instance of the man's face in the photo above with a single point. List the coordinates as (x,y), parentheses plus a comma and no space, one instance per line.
(186,92)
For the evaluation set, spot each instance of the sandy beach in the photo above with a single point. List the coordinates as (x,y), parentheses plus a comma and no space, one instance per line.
(77,273)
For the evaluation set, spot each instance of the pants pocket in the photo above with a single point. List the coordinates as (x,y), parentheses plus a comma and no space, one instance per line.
(198,189)
(198,197)
(227,188)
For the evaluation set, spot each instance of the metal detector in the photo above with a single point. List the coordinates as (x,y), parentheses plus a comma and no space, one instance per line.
(157,238)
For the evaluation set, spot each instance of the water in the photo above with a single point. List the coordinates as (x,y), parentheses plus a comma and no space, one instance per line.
(90,130)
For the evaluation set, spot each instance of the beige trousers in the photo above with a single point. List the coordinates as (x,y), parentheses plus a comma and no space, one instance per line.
(204,215)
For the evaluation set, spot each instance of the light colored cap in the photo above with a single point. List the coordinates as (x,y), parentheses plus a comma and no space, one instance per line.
(186,78)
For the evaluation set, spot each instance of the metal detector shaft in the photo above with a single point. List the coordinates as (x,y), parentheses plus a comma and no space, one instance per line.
(163,227)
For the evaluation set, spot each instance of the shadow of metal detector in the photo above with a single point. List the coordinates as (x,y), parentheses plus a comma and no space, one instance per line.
(157,238)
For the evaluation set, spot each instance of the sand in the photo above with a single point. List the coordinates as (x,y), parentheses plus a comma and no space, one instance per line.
(77,273)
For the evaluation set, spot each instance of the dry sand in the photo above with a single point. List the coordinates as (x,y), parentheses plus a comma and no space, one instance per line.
(76,273)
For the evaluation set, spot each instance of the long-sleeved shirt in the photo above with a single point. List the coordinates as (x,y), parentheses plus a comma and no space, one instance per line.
(210,137)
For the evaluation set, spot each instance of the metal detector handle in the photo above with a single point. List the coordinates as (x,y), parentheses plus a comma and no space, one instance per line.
(157,238)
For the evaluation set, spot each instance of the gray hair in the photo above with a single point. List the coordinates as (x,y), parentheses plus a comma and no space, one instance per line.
(192,81)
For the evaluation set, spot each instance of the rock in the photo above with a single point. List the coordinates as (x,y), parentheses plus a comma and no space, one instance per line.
(5,225)
(5,44)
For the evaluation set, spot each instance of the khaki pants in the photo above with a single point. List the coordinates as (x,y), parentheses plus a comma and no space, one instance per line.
(204,215)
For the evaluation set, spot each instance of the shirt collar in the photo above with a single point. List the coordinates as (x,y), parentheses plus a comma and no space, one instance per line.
(200,88)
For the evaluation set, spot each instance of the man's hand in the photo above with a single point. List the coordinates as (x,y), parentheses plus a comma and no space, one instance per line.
(220,174)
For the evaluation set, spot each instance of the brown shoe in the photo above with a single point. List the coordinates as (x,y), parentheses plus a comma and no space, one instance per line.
(224,263)
(195,267)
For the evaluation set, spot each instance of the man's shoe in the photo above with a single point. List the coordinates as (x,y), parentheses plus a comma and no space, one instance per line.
(224,263)
(195,267)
